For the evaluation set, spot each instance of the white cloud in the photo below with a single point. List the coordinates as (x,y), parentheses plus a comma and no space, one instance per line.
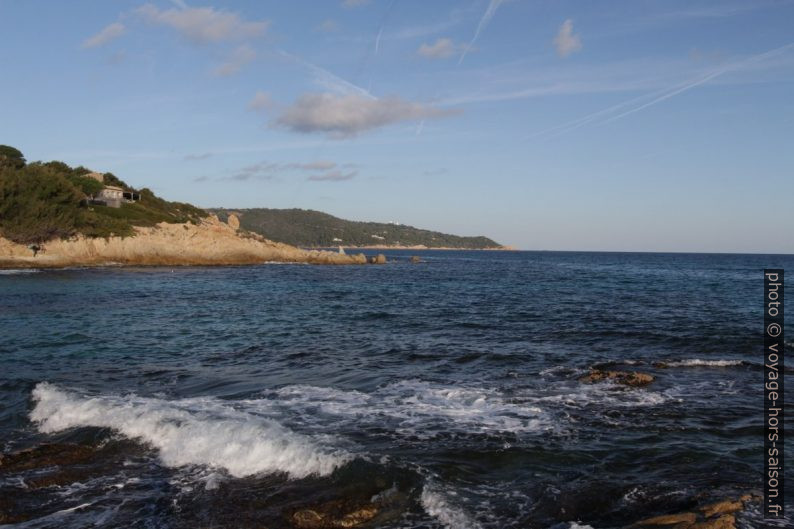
(354,3)
(442,48)
(260,101)
(108,33)
(348,115)
(566,41)
(204,24)
(333,176)
(328,26)
(236,60)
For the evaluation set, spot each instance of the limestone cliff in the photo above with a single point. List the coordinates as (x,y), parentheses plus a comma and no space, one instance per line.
(211,242)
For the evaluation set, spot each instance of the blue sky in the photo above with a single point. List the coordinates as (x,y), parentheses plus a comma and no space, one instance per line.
(638,125)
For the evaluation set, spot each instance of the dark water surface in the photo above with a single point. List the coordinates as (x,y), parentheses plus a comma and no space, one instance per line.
(445,392)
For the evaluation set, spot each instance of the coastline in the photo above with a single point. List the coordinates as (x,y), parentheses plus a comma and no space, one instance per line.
(418,247)
(209,243)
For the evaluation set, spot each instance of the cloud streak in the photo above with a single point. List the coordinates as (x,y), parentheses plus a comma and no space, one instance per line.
(107,34)
(326,79)
(236,60)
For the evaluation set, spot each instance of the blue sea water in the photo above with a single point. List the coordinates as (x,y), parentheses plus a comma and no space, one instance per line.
(445,392)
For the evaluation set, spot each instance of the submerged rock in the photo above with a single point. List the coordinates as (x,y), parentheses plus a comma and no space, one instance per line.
(46,455)
(334,514)
(627,378)
(415,259)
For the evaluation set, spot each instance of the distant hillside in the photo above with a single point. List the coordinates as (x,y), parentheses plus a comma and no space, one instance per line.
(308,228)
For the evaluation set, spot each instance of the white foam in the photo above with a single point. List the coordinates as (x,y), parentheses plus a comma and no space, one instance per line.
(416,408)
(696,362)
(202,431)
(439,506)
(607,393)
(19,271)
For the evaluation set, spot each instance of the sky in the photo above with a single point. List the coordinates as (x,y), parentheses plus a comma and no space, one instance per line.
(638,125)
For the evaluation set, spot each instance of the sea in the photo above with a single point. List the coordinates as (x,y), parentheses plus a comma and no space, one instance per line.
(438,394)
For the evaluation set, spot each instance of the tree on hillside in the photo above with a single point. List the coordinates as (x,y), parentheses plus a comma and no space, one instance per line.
(11,157)
(37,205)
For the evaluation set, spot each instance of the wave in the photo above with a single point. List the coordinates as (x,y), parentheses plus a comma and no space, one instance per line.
(19,271)
(413,407)
(201,431)
(439,506)
(696,362)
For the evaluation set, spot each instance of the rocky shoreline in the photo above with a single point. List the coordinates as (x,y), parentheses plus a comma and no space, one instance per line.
(209,243)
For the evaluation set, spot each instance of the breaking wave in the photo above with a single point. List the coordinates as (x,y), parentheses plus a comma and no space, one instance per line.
(440,506)
(201,431)
(696,362)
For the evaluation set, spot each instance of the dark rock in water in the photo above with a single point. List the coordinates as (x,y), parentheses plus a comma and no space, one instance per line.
(415,259)
(333,514)
(46,455)
(661,365)
(627,378)
(7,514)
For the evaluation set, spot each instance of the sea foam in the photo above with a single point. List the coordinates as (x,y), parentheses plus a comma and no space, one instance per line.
(696,362)
(439,506)
(201,431)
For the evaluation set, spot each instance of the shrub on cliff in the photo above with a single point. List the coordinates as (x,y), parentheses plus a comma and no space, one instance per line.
(11,157)
(46,200)
(36,206)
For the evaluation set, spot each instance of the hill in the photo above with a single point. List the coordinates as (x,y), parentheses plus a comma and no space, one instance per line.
(43,201)
(309,228)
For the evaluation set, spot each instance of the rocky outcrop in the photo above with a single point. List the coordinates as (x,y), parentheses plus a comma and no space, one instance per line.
(334,514)
(378,259)
(211,242)
(719,515)
(233,222)
(627,378)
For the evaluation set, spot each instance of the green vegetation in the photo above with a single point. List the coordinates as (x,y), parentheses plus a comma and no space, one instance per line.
(302,227)
(42,201)
(11,157)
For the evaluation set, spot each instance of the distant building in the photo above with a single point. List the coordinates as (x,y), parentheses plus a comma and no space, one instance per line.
(111,196)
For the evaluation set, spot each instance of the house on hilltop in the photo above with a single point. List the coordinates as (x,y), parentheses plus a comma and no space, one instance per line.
(112,196)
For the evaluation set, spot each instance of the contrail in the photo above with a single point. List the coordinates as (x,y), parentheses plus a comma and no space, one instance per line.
(327,79)
(657,96)
(487,16)
(383,21)
(688,86)
(377,40)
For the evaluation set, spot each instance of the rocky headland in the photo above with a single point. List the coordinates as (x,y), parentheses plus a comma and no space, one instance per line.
(208,242)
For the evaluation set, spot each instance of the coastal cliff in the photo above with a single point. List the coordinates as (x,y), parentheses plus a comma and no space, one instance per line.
(208,242)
